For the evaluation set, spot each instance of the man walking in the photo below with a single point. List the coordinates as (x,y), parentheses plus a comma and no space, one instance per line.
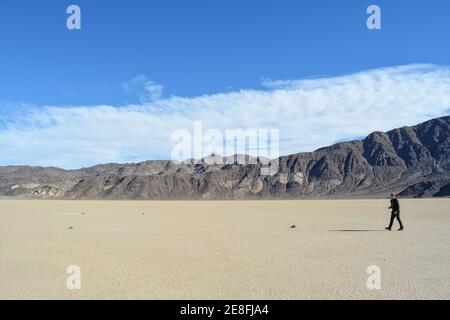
(395,207)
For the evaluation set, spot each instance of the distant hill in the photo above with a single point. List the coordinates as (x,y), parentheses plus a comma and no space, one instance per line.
(412,161)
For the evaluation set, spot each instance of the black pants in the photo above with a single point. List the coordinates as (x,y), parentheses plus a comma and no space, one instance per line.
(395,214)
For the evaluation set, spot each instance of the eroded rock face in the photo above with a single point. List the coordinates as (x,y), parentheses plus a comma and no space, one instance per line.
(415,160)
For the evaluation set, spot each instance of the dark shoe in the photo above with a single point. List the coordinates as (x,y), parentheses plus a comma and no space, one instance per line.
(388,229)
(401,229)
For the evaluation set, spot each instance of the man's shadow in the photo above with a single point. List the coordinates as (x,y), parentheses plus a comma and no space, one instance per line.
(356,230)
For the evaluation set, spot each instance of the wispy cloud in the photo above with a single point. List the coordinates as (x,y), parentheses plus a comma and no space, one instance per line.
(309,113)
(144,89)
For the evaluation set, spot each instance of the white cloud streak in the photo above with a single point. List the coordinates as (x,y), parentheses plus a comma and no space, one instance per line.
(144,89)
(309,114)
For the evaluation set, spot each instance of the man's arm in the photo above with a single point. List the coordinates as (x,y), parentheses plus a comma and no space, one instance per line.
(397,204)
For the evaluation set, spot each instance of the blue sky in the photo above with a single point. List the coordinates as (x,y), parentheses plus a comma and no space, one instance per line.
(131,53)
(199,47)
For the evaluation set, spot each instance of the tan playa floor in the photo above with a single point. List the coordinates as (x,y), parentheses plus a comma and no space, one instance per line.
(223,250)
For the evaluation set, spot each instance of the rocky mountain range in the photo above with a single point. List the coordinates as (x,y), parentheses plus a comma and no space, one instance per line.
(412,161)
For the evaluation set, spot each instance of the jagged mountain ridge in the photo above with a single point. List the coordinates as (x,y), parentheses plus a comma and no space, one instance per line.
(414,161)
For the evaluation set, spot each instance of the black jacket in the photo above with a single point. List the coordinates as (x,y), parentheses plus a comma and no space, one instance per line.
(395,205)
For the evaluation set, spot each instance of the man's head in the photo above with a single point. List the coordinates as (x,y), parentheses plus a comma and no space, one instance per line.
(392,195)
